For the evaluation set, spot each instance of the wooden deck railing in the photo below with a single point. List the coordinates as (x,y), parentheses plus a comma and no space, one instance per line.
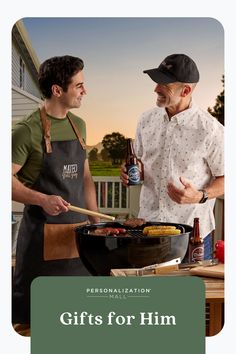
(112,196)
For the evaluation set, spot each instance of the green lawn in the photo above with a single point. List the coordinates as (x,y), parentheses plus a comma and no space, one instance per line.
(100,168)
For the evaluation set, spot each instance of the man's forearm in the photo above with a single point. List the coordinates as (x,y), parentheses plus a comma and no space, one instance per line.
(25,195)
(216,188)
(189,194)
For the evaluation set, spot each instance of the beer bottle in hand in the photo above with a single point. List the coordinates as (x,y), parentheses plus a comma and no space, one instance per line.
(132,165)
(196,246)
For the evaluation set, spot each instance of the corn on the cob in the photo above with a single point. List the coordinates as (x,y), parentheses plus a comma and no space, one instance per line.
(158,227)
(157,232)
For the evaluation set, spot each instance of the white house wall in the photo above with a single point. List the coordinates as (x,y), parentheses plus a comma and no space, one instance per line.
(29,84)
(22,104)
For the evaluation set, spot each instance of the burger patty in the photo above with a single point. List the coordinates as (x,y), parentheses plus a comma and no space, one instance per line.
(134,222)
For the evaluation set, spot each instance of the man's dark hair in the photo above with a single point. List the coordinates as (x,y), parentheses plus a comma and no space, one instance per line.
(58,71)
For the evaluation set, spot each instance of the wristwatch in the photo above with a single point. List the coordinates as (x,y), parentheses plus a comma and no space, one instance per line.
(204,196)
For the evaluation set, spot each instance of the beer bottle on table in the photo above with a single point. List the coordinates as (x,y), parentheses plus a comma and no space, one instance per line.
(196,246)
(132,165)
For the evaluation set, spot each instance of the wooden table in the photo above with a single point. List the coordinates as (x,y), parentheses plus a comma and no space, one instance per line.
(214,305)
(214,296)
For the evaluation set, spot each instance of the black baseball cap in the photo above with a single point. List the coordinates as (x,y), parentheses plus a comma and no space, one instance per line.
(175,68)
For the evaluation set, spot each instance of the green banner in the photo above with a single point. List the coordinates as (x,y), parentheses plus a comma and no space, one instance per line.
(116,315)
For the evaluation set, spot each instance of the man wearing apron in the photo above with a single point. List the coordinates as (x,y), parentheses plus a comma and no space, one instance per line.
(50,171)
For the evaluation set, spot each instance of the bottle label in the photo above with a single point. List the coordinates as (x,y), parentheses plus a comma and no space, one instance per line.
(134,174)
(197,254)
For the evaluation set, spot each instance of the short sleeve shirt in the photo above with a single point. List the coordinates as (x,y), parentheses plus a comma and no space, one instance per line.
(190,145)
(28,143)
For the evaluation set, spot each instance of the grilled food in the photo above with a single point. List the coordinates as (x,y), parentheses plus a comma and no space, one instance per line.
(109,231)
(157,230)
(134,222)
(163,232)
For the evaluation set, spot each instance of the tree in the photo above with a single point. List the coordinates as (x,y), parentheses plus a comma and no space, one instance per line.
(93,154)
(104,155)
(218,109)
(115,144)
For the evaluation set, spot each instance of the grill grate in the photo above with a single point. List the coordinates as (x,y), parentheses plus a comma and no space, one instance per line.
(130,232)
(136,233)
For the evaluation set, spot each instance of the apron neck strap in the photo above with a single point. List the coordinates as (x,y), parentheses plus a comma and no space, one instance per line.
(77,133)
(46,123)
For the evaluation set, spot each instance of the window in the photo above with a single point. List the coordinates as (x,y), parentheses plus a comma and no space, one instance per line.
(22,73)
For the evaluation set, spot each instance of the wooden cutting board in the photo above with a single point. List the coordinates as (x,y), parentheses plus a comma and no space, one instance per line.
(216,271)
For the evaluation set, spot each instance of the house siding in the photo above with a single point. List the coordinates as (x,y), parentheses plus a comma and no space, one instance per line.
(29,84)
(22,104)
(25,99)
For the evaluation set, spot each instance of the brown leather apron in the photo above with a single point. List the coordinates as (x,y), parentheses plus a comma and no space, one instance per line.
(46,244)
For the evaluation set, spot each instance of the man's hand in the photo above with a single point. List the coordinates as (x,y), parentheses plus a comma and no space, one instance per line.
(53,204)
(123,175)
(186,195)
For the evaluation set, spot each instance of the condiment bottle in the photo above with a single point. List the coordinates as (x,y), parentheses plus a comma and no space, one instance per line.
(196,246)
(132,165)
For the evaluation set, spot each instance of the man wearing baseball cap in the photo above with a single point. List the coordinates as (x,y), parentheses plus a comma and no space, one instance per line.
(181,148)
(175,68)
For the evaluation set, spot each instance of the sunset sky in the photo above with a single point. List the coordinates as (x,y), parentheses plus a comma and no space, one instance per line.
(117,50)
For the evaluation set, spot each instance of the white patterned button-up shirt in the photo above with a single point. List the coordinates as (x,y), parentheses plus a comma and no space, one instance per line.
(189,145)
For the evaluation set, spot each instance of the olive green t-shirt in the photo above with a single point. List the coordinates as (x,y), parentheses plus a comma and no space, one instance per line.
(28,142)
